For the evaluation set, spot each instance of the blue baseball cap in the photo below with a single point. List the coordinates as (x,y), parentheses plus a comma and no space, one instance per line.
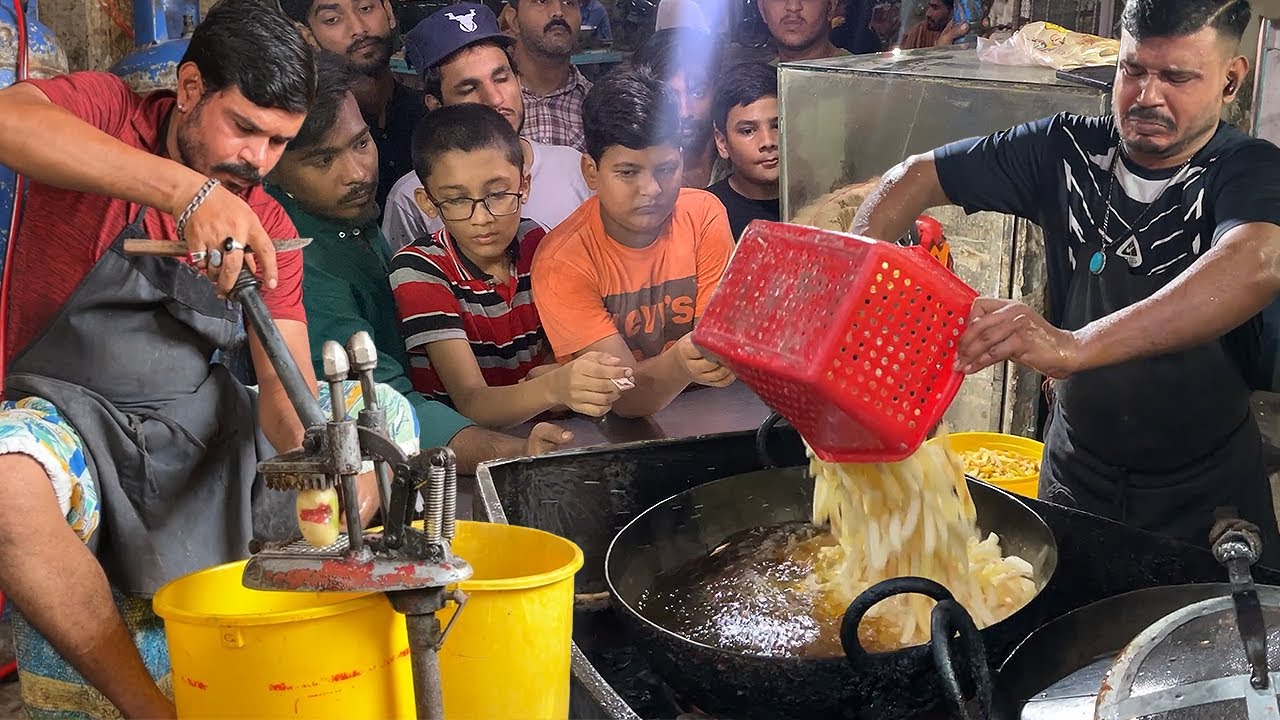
(449,30)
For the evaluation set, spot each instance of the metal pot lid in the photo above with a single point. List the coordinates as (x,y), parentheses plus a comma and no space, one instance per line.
(1191,664)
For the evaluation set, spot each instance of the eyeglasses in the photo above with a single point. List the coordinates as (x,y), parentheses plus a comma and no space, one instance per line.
(498,204)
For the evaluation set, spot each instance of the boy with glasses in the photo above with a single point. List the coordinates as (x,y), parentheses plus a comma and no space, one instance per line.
(463,295)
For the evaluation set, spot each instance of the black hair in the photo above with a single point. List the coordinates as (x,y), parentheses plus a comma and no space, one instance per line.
(297,10)
(669,52)
(465,127)
(334,77)
(742,85)
(253,46)
(950,4)
(1175,18)
(431,75)
(631,108)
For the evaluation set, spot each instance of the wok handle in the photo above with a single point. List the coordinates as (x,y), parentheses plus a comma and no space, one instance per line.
(948,619)
(762,440)
(853,650)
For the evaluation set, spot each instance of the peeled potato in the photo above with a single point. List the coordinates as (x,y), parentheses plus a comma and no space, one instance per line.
(318,516)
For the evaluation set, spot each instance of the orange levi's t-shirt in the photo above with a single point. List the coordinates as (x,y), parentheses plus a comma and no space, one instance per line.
(587,286)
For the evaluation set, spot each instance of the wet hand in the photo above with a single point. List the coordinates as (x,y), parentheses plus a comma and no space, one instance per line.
(221,228)
(1001,330)
(591,384)
(545,438)
(702,369)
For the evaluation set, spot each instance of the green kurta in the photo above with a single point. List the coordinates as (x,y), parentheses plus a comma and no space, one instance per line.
(345,290)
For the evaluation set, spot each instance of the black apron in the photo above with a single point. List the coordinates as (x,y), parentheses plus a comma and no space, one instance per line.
(1160,442)
(170,438)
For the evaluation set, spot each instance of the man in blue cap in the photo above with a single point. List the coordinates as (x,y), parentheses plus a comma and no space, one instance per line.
(463,57)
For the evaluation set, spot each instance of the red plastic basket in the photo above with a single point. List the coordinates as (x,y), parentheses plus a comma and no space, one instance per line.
(851,340)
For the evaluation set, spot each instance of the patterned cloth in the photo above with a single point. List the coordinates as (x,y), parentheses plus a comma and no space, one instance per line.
(51,688)
(556,118)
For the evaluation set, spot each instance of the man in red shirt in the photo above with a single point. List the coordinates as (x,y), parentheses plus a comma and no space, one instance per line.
(108,359)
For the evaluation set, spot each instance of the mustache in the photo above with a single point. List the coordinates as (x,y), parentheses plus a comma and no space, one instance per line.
(359,191)
(557,23)
(244,171)
(367,41)
(1150,115)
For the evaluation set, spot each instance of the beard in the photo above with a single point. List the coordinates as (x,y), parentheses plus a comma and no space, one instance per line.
(552,46)
(1150,148)
(193,152)
(375,65)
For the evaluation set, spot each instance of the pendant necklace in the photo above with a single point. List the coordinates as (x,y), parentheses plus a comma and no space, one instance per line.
(1098,261)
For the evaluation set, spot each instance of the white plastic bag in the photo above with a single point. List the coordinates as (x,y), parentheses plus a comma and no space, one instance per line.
(1042,43)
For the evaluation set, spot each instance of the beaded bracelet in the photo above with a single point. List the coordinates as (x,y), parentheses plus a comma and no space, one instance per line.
(200,195)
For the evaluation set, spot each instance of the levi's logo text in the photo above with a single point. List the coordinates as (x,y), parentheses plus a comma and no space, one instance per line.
(652,318)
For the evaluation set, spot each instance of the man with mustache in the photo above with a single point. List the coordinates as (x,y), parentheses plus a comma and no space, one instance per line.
(553,89)
(801,29)
(326,181)
(362,32)
(688,60)
(1162,238)
(128,456)
(472,64)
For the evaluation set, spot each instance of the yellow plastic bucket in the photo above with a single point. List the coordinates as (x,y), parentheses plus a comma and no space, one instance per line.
(507,657)
(1025,485)
(241,653)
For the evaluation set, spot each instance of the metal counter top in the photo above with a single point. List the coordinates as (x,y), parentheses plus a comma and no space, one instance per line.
(697,411)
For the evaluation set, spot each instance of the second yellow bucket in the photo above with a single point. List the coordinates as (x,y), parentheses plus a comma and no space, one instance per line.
(507,657)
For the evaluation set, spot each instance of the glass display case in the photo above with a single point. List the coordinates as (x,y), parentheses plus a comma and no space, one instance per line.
(847,120)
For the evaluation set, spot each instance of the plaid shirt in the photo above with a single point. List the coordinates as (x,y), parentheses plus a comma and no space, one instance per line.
(556,118)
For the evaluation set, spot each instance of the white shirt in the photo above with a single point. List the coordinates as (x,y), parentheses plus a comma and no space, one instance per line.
(556,189)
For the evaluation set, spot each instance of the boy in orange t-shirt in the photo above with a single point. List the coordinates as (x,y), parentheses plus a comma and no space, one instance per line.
(630,272)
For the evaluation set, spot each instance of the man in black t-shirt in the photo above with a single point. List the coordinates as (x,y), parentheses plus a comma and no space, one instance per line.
(1162,238)
(744,118)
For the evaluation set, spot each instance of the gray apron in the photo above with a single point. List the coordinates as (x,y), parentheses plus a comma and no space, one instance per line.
(170,438)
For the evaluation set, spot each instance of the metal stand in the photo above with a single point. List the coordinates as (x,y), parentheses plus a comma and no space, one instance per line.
(413,567)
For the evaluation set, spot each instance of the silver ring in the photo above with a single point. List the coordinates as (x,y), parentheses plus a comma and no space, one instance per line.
(215,258)
(230,245)
(197,256)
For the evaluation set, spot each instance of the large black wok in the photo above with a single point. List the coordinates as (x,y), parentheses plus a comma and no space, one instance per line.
(1082,644)
(900,684)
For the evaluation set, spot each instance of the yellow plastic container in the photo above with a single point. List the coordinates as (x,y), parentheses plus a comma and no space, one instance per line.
(507,658)
(241,653)
(1027,486)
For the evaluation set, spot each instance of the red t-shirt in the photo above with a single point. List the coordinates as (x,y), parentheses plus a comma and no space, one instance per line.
(442,295)
(64,233)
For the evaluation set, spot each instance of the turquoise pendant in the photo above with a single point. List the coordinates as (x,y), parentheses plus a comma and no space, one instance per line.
(1097,262)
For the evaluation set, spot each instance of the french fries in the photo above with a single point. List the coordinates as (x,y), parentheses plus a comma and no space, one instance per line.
(995,465)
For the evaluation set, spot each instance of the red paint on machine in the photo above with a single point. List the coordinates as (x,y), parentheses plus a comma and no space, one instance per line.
(195,683)
(279,687)
(343,676)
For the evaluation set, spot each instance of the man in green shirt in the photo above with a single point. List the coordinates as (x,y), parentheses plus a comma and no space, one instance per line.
(327,181)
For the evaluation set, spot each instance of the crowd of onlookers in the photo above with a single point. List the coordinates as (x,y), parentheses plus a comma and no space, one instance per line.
(517,238)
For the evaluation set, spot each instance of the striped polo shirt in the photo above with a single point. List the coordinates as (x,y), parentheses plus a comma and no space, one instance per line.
(442,295)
